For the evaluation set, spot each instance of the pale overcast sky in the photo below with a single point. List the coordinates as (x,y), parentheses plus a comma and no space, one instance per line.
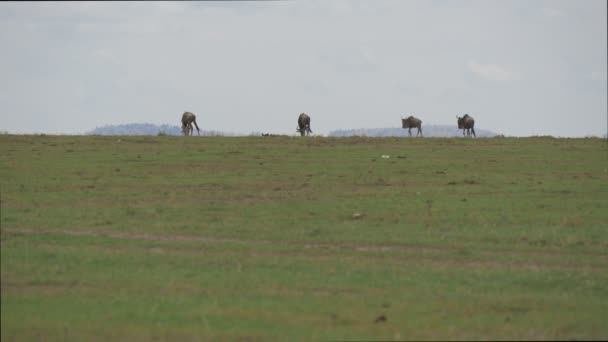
(520,68)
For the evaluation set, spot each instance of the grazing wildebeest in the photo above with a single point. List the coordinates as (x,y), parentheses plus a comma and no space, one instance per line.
(187,120)
(412,122)
(304,124)
(466,123)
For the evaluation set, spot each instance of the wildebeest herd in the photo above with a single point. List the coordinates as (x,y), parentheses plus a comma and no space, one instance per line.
(466,123)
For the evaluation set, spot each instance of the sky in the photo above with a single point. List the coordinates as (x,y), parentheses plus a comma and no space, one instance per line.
(520,68)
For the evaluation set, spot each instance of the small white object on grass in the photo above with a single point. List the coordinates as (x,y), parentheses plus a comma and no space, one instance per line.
(357,216)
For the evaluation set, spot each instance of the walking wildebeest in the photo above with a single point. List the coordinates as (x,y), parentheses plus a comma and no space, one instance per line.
(412,122)
(466,123)
(304,124)
(187,120)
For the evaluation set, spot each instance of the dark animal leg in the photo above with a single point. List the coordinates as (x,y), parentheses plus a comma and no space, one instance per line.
(197,129)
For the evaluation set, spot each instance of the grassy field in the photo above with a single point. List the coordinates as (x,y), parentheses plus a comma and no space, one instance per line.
(282,238)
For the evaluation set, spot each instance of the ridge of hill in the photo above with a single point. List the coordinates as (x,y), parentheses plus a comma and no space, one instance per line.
(153,129)
(147,129)
(427,131)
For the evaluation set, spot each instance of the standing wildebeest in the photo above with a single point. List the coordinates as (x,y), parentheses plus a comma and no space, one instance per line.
(304,124)
(412,122)
(187,120)
(466,123)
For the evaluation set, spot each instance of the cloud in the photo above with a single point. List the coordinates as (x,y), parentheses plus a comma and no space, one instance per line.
(493,72)
(347,62)
(598,75)
(553,12)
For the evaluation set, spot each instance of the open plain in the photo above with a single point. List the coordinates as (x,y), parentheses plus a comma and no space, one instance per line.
(284,238)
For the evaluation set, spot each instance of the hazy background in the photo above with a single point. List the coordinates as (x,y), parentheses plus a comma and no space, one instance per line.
(519,67)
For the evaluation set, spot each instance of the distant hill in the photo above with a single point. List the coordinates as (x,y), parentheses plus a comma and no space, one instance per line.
(148,129)
(427,131)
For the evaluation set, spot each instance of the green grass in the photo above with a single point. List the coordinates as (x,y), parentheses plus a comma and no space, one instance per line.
(280,238)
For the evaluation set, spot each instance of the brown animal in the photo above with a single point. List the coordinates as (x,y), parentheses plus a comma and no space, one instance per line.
(187,120)
(466,123)
(412,122)
(303,124)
